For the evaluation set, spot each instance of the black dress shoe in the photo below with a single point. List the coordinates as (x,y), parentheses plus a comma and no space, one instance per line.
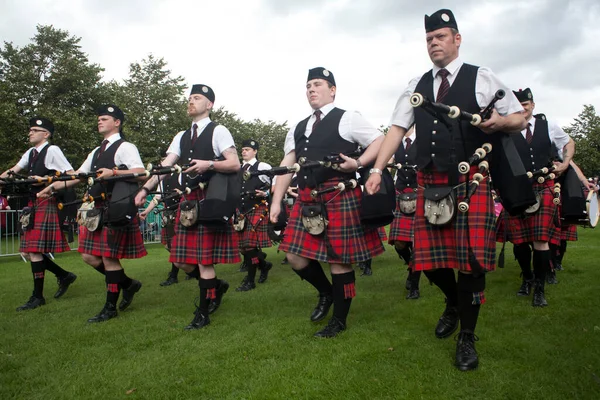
(539,298)
(246,285)
(466,355)
(525,288)
(108,311)
(448,323)
(551,278)
(243,267)
(413,294)
(33,302)
(333,328)
(63,284)
(558,266)
(367,271)
(284,261)
(264,272)
(408,284)
(129,293)
(171,280)
(361,265)
(322,308)
(188,277)
(200,321)
(221,290)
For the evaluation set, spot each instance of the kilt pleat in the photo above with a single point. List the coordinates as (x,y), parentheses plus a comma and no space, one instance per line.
(351,242)
(447,246)
(200,244)
(255,234)
(46,235)
(401,228)
(569,233)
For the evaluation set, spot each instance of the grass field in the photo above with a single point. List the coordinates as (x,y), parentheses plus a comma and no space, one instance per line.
(260,344)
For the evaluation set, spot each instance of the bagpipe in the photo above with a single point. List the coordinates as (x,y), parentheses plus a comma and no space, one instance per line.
(543,174)
(472,186)
(17,179)
(272,172)
(148,172)
(399,166)
(331,161)
(341,186)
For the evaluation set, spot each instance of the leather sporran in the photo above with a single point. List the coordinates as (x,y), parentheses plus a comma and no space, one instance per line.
(27,218)
(239,223)
(407,203)
(535,207)
(189,213)
(313,219)
(168,217)
(89,216)
(440,205)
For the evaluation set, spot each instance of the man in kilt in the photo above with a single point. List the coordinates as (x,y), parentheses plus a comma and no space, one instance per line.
(198,245)
(466,242)
(253,217)
(168,187)
(401,229)
(343,241)
(104,247)
(536,144)
(44,234)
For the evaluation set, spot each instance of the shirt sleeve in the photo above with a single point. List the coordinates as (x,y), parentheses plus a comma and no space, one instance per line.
(222,140)
(175,146)
(290,143)
(404,114)
(24,161)
(262,166)
(87,164)
(56,160)
(486,86)
(557,136)
(356,129)
(128,155)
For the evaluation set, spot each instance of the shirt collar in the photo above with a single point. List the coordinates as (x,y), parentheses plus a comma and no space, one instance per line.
(201,124)
(113,138)
(41,147)
(325,109)
(452,68)
(251,162)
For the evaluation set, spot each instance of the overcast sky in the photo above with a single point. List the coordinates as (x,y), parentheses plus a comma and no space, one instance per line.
(255,54)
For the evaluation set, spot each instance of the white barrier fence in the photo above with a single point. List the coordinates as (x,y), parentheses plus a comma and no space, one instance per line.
(10,232)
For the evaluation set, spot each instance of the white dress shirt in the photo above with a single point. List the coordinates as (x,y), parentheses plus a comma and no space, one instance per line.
(262,166)
(55,159)
(221,140)
(127,154)
(558,137)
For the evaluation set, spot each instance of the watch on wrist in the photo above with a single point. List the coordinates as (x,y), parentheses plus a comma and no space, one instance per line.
(358,164)
(211,165)
(375,171)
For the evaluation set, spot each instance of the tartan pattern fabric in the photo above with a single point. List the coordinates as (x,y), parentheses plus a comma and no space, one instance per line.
(255,235)
(211,293)
(112,287)
(46,235)
(204,245)
(478,298)
(568,232)
(382,235)
(166,236)
(126,242)
(349,290)
(540,226)
(351,242)
(38,275)
(447,246)
(401,228)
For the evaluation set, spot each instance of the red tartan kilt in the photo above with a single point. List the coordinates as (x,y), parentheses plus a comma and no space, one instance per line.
(125,242)
(540,226)
(447,246)
(382,235)
(501,228)
(350,241)
(199,244)
(401,228)
(255,234)
(568,232)
(46,235)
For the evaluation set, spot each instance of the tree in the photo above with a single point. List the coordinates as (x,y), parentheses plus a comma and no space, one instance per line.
(52,77)
(154,106)
(585,131)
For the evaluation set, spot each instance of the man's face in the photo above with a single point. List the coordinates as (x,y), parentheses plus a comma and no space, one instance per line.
(38,135)
(319,93)
(248,153)
(108,124)
(442,46)
(198,105)
(528,107)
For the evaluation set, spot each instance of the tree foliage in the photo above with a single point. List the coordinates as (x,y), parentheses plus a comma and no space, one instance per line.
(585,131)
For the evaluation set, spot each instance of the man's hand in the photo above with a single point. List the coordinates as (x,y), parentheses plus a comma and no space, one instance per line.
(349,164)
(104,173)
(559,168)
(493,124)
(140,198)
(260,193)
(373,183)
(47,192)
(198,167)
(274,212)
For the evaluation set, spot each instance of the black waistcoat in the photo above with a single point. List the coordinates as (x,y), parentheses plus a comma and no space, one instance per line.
(248,199)
(169,184)
(325,140)
(537,154)
(105,160)
(38,168)
(202,150)
(440,146)
(406,178)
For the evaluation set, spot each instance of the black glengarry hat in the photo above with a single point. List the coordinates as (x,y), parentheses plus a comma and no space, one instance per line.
(113,111)
(321,73)
(204,90)
(524,95)
(251,143)
(440,19)
(41,122)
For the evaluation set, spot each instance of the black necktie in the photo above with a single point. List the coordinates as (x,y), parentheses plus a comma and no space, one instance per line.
(528,134)
(194,133)
(408,143)
(317,120)
(444,86)
(103,147)
(246,167)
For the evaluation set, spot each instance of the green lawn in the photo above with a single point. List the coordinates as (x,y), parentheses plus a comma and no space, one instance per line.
(260,344)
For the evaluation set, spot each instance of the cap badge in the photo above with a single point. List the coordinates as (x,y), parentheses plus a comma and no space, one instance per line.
(325,72)
(445,17)
(529,96)
(110,109)
(204,89)
(39,122)
(253,143)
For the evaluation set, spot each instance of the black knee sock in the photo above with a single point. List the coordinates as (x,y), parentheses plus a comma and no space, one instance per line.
(444,279)
(470,298)
(522,253)
(562,250)
(208,292)
(253,260)
(37,269)
(414,277)
(404,253)
(541,263)
(174,271)
(126,281)
(313,274)
(554,251)
(343,292)
(100,268)
(195,273)
(54,268)
(113,286)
